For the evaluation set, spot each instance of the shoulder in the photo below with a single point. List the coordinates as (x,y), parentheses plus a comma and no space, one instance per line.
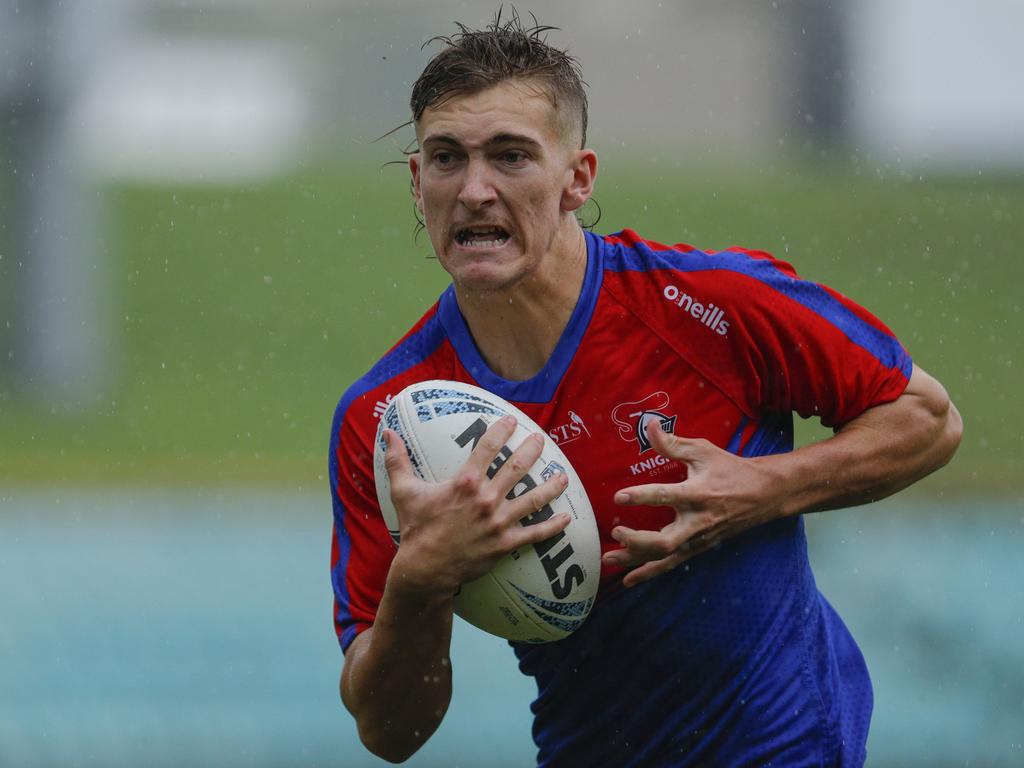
(678,285)
(627,255)
(751,286)
(740,316)
(420,353)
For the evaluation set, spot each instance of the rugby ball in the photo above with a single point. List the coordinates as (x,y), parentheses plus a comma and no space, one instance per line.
(540,592)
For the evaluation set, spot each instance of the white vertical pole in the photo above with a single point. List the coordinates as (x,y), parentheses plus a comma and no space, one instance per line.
(59,346)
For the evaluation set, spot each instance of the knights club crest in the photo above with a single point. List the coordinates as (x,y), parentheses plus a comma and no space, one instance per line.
(632,418)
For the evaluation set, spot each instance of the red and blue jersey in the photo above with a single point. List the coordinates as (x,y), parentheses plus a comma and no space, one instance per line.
(734,657)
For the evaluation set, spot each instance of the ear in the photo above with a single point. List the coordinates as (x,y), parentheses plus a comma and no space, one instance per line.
(414,169)
(583,172)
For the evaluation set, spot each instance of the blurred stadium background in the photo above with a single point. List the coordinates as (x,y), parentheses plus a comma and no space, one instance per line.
(201,245)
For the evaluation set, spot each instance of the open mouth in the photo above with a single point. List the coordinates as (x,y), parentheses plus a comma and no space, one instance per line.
(482,237)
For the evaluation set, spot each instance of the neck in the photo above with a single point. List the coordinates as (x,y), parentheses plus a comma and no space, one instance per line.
(516,329)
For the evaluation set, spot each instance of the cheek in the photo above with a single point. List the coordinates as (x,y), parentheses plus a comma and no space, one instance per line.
(543,203)
(547,209)
(431,204)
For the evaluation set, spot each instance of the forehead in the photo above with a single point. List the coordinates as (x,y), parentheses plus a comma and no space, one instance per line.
(511,107)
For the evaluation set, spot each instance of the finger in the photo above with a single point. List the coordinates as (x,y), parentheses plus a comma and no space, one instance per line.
(648,571)
(491,443)
(647,568)
(534,506)
(520,536)
(518,464)
(681,535)
(673,446)
(689,550)
(653,494)
(641,546)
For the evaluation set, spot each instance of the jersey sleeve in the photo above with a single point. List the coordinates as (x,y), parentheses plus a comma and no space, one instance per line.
(808,348)
(361,549)
(772,342)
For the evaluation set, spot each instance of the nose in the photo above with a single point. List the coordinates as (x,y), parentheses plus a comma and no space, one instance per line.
(477,186)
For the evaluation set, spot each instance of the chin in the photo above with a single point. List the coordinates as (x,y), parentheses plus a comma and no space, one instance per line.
(478,282)
(482,275)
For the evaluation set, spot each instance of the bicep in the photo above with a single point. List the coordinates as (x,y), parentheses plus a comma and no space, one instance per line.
(928,393)
(916,433)
(924,401)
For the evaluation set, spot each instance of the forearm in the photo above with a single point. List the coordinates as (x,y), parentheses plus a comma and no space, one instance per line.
(397,675)
(886,448)
(880,452)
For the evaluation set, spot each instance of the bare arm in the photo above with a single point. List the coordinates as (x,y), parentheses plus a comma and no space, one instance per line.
(397,677)
(883,450)
(396,680)
(880,452)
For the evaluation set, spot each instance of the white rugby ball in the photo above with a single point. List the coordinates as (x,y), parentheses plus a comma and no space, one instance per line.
(540,592)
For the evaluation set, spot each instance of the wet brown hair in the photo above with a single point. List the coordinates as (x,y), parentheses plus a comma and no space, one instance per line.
(474,60)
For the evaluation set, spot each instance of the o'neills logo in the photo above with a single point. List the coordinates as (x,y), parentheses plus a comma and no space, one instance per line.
(632,418)
(707,314)
(381,406)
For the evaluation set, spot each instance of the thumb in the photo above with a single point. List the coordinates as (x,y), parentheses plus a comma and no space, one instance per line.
(688,450)
(396,459)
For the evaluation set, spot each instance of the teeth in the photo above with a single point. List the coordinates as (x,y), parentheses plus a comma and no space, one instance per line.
(470,235)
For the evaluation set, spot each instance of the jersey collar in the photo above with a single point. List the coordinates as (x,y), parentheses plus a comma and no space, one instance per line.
(541,388)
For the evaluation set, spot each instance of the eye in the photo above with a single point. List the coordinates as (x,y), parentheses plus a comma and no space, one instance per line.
(513,157)
(443,157)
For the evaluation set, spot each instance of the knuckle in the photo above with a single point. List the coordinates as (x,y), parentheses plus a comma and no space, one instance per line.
(532,502)
(655,548)
(672,544)
(539,534)
(664,547)
(505,544)
(486,539)
(708,520)
(466,482)
(518,466)
(490,442)
(541,495)
(488,500)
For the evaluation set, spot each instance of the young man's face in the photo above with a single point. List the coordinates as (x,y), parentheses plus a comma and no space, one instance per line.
(495,176)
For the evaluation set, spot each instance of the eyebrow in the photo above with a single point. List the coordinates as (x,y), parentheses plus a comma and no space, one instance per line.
(496,140)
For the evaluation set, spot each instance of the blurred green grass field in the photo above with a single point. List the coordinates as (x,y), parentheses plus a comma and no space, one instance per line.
(241,314)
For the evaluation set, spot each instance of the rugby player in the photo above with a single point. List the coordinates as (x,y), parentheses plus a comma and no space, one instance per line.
(669,376)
